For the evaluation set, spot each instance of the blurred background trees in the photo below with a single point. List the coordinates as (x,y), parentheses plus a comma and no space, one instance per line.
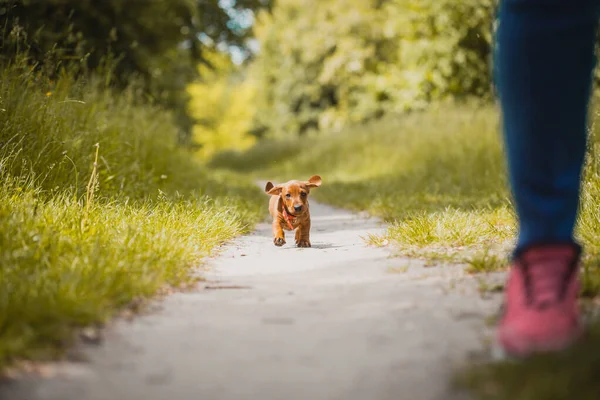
(222,106)
(236,70)
(160,42)
(355,60)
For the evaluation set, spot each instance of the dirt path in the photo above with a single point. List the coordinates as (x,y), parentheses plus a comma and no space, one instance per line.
(339,321)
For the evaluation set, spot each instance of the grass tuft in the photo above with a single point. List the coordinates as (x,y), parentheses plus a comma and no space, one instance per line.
(376,240)
(485,261)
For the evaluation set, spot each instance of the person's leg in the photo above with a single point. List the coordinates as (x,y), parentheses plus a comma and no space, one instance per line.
(544,61)
(543,66)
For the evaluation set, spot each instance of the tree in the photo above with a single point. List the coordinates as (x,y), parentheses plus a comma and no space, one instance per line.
(355,60)
(160,41)
(222,106)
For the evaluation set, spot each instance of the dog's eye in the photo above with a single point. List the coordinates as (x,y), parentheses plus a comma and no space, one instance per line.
(288,195)
(303,194)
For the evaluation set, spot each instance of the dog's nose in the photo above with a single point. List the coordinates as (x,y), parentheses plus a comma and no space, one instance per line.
(297,208)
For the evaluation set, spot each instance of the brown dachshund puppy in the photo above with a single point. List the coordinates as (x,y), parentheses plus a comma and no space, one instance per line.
(289,208)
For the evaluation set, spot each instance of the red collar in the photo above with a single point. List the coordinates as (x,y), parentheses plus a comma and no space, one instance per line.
(288,218)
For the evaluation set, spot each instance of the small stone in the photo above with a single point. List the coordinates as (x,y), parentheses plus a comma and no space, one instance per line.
(91,335)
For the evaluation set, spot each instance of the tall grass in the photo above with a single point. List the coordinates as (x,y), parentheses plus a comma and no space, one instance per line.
(98,207)
(50,129)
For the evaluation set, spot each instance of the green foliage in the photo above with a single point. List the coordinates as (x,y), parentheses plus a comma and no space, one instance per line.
(222,107)
(355,60)
(80,239)
(143,35)
(158,40)
(445,46)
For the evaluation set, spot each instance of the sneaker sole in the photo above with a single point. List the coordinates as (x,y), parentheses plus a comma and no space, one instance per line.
(499,352)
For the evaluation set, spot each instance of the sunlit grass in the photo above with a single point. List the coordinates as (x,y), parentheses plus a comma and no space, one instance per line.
(486,261)
(454,232)
(63,269)
(81,239)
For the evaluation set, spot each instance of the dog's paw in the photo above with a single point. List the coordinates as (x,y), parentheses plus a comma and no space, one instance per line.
(302,243)
(279,241)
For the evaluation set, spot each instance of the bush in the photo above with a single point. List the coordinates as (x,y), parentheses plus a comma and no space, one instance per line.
(355,60)
(222,105)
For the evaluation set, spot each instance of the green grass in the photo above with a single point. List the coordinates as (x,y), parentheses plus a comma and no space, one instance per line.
(569,375)
(485,261)
(453,234)
(86,230)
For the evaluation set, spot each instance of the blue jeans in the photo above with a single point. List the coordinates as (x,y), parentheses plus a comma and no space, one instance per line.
(544,60)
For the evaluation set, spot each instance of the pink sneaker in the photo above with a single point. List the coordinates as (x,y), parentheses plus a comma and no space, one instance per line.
(541,312)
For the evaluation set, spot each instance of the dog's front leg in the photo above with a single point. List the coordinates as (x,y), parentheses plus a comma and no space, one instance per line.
(303,235)
(278,233)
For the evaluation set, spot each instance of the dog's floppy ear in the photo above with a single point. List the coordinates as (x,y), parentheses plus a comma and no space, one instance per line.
(314,181)
(273,190)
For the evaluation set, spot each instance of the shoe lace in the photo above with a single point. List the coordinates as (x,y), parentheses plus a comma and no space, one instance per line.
(547,281)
